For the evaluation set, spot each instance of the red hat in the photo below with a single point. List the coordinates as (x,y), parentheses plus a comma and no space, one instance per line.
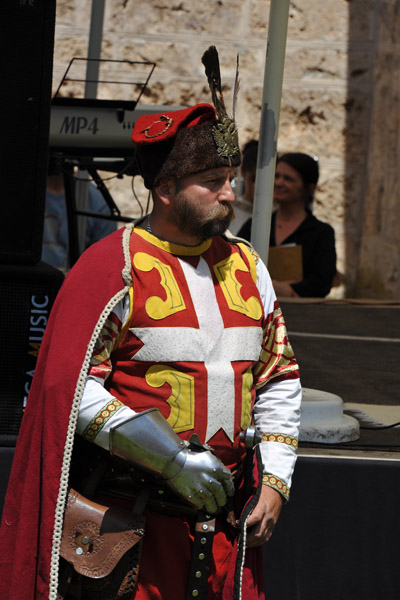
(171,145)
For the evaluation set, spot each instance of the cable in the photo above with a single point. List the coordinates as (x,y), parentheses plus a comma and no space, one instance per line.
(355,445)
(119,175)
(137,197)
(116,176)
(381,426)
(148,202)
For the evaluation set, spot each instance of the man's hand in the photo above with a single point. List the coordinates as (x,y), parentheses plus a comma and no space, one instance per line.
(262,520)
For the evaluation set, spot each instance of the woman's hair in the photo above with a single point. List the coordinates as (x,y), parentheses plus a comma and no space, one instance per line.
(249,155)
(307,168)
(304,164)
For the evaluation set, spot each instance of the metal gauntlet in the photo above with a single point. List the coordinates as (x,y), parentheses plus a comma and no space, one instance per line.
(149,442)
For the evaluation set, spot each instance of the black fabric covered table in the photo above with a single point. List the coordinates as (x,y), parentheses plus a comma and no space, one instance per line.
(338,537)
(6,458)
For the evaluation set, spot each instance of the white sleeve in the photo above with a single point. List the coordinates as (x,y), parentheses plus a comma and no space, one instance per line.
(277,410)
(99,410)
(265,287)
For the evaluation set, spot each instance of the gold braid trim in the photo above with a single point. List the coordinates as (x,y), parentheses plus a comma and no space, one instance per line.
(281,438)
(277,484)
(276,358)
(94,427)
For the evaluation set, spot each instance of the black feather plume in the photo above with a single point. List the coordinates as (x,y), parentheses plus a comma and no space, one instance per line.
(235,89)
(210,61)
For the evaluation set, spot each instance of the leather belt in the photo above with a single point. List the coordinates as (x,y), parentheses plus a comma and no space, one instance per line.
(201,554)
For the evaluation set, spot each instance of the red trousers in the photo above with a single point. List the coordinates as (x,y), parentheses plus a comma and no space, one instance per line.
(166,554)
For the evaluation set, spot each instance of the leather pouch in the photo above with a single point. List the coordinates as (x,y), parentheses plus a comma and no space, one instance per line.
(101,546)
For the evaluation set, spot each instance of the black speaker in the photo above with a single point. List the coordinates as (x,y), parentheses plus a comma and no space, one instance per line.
(27,294)
(6,460)
(26,50)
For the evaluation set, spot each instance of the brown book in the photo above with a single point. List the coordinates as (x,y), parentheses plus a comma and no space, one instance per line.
(285,263)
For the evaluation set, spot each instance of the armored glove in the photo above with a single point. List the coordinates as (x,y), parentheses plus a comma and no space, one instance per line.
(149,442)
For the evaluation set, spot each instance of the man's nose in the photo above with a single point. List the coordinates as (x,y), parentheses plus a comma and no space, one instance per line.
(227,193)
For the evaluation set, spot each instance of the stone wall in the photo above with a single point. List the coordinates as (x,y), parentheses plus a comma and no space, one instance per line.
(338,82)
(377,272)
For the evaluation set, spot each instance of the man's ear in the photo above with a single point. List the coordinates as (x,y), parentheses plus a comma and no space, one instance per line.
(166,192)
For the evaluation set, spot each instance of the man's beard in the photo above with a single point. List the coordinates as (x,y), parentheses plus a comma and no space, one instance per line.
(193,221)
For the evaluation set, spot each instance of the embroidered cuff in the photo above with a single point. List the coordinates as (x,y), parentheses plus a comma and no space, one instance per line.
(289,440)
(100,419)
(278,485)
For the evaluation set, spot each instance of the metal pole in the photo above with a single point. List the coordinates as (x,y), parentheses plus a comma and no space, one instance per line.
(94,49)
(269,126)
(91,84)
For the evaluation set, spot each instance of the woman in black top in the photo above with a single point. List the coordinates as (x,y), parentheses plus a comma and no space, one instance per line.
(293,223)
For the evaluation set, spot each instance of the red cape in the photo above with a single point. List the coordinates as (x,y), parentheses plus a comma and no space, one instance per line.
(26,532)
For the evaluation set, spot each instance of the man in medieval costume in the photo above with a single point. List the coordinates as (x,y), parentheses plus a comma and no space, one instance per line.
(166,391)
